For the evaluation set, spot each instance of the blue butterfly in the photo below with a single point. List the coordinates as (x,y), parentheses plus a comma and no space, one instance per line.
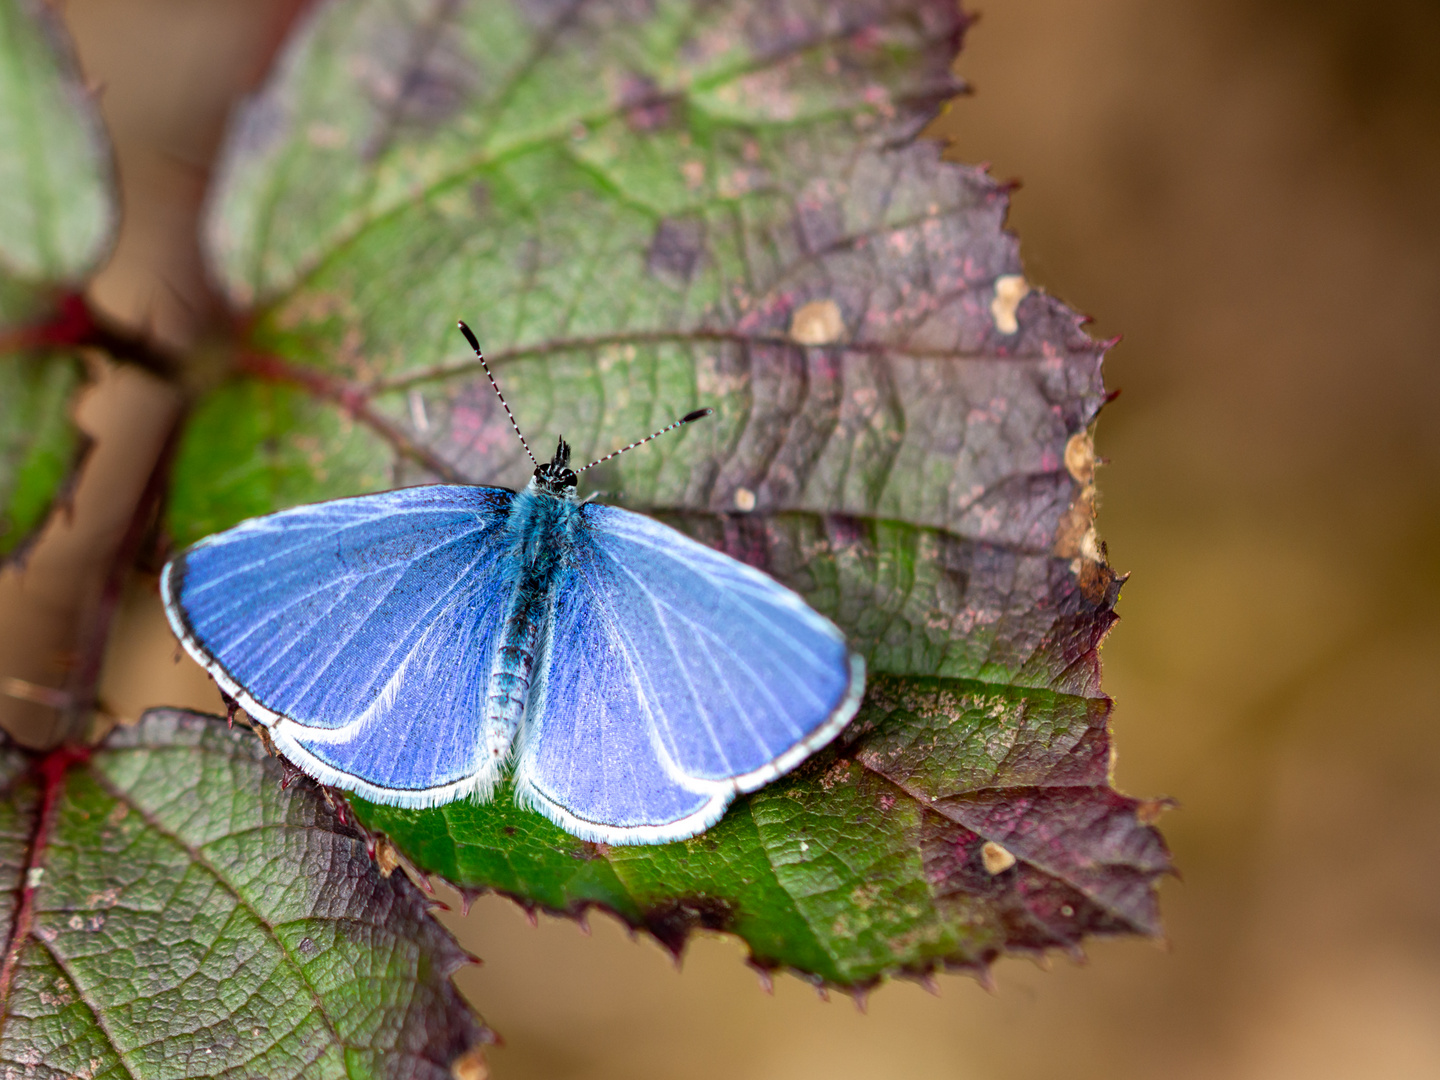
(411,646)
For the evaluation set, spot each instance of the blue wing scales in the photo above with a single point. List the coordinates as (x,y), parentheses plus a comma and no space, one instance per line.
(588,759)
(359,632)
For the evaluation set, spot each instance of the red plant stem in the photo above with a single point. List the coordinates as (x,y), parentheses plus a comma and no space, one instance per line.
(73,324)
(70,324)
(50,770)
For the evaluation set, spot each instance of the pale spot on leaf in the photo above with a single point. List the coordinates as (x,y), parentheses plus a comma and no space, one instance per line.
(1010,289)
(470,1066)
(996,858)
(1080,457)
(817,323)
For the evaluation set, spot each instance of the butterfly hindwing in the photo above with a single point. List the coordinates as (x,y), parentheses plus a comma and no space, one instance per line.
(672,662)
(359,632)
(588,758)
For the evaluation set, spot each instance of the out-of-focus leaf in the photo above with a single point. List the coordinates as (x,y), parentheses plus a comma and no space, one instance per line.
(642,209)
(169,911)
(40,446)
(57,215)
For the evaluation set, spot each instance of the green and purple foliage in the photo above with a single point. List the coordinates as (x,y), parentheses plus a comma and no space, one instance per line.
(642,208)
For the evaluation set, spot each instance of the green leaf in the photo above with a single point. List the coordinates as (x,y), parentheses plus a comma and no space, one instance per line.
(58,215)
(639,216)
(40,446)
(643,209)
(958,821)
(169,910)
(57,219)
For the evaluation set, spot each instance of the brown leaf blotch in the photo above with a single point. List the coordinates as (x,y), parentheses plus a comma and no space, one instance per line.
(676,250)
(672,922)
(387,858)
(1095,579)
(1074,535)
(645,107)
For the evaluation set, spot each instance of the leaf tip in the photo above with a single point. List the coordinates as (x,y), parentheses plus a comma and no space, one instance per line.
(764,973)
(1148,811)
(985,976)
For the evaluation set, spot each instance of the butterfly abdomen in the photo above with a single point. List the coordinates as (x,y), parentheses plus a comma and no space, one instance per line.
(539,530)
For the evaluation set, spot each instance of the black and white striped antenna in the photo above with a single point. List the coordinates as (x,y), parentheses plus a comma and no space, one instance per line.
(474,344)
(690,417)
(698,414)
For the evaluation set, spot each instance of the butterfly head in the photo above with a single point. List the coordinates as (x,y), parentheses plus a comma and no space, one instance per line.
(557,478)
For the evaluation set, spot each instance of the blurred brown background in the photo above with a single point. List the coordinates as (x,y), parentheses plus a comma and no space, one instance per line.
(1248,193)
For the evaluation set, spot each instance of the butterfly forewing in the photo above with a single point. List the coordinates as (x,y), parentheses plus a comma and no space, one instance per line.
(351,629)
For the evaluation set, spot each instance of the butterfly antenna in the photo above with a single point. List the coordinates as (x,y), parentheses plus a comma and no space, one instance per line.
(698,414)
(470,337)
